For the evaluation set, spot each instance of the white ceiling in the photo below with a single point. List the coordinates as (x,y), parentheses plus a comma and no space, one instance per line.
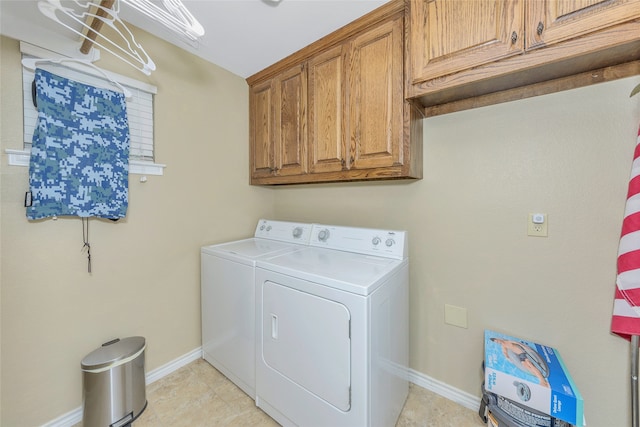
(242,36)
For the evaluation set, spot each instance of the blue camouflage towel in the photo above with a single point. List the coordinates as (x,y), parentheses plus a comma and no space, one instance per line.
(80,153)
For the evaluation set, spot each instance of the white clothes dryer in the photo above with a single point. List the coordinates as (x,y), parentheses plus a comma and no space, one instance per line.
(332,329)
(228,296)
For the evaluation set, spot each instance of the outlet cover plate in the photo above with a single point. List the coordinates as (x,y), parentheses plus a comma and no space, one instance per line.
(456,316)
(537,229)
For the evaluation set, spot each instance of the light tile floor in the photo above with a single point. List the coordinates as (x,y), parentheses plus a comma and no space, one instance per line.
(197,395)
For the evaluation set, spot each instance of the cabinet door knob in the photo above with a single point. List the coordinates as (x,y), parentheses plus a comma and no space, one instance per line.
(540,28)
(514,37)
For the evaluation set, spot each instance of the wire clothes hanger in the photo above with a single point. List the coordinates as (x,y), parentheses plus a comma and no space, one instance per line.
(31,64)
(175,16)
(133,54)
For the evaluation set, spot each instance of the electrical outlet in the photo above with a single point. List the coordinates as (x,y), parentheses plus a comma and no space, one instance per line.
(537,226)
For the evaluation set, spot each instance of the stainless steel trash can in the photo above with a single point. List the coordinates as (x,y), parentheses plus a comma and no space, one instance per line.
(113,383)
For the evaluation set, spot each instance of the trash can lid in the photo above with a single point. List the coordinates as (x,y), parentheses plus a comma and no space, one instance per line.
(113,351)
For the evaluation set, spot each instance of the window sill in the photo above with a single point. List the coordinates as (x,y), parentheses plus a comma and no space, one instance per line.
(139,167)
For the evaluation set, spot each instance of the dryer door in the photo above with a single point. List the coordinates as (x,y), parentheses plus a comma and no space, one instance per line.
(306,339)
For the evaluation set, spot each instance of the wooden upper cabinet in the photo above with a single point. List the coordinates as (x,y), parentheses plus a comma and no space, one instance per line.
(375,97)
(342,116)
(356,102)
(326,111)
(277,125)
(552,21)
(449,36)
(461,50)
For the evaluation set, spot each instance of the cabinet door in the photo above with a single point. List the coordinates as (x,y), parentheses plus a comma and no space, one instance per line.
(290,122)
(552,21)
(278,134)
(262,130)
(375,97)
(326,111)
(449,36)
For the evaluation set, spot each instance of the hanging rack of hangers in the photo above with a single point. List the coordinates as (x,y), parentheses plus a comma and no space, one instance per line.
(31,64)
(124,47)
(93,16)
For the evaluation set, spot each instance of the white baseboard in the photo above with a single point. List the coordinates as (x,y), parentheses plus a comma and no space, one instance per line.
(174,365)
(458,396)
(67,420)
(72,418)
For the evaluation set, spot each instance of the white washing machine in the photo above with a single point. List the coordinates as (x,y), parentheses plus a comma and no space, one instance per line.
(332,329)
(228,296)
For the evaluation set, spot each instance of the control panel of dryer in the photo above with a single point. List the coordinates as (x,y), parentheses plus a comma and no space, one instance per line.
(284,231)
(385,243)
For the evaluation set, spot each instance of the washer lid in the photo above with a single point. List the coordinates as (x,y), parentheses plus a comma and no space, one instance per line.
(112,352)
(251,249)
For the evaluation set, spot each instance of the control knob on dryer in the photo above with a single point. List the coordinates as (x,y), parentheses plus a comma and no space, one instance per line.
(323,235)
(297,232)
(375,241)
(389,242)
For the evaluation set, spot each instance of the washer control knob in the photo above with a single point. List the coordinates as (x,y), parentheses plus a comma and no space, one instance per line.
(375,241)
(268,228)
(297,232)
(262,227)
(389,242)
(323,235)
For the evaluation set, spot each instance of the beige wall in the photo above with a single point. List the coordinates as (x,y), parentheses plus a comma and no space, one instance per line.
(146,277)
(568,155)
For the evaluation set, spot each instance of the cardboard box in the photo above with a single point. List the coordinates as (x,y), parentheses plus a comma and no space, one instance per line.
(533,375)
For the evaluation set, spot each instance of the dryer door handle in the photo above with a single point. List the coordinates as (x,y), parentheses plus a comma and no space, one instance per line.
(274,326)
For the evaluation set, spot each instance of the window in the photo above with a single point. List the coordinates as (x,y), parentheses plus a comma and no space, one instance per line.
(139,107)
